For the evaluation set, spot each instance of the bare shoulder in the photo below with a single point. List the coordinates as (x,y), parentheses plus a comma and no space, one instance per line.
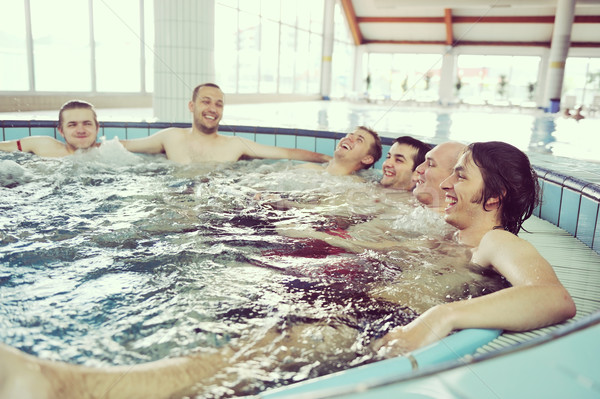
(495,245)
(43,146)
(173,132)
(46,140)
(311,166)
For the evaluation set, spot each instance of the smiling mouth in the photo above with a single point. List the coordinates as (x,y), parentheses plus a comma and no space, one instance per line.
(450,201)
(389,173)
(210,117)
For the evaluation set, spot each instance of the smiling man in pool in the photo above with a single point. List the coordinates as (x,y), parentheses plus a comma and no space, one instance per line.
(203,143)
(486,201)
(358,150)
(399,168)
(77,124)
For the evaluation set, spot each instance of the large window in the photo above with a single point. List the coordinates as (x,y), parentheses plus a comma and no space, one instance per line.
(403,76)
(13,47)
(581,86)
(343,59)
(497,79)
(66,46)
(268,46)
(61,45)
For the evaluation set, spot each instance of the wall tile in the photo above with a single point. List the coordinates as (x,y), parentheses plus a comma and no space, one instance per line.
(551,202)
(569,210)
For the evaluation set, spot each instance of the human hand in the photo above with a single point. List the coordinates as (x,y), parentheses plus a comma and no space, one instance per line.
(430,327)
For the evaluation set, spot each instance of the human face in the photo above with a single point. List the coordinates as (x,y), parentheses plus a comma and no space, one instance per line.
(463,193)
(79,128)
(437,166)
(207,110)
(355,147)
(398,167)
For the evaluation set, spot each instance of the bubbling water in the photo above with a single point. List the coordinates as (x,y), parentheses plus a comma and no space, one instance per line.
(111,258)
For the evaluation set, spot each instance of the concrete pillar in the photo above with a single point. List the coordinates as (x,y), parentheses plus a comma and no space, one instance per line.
(184,54)
(561,40)
(328,24)
(447,78)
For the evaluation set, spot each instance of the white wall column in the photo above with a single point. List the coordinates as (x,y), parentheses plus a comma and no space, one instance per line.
(328,30)
(447,78)
(184,54)
(559,49)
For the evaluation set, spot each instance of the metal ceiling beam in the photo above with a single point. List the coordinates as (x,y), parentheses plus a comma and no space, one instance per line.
(448,21)
(352,22)
(548,19)
(481,43)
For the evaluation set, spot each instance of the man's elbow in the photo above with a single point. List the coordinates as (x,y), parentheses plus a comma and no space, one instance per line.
(568,309)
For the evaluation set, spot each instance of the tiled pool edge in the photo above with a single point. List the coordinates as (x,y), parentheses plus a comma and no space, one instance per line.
(569,203)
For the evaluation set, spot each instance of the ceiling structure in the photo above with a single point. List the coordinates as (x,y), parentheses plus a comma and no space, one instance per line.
(468,22)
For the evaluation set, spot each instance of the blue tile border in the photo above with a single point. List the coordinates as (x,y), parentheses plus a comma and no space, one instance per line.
(570,203)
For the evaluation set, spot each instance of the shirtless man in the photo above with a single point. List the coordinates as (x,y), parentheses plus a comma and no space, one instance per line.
(488,212)
(437,166)
(77,124)
(402,159)
(488,202)
(202,142)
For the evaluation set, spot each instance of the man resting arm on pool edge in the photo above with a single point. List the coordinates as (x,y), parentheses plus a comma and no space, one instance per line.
(203,143)
(488,202)
(77,124)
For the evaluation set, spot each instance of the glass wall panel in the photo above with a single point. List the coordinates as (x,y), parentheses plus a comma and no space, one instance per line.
(61,45)
(581,85)
(269,59)
(13,47)
(226,48)
(117,42)
(287,59)
(249,46)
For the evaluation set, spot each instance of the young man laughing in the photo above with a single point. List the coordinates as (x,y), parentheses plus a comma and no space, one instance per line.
(203,143)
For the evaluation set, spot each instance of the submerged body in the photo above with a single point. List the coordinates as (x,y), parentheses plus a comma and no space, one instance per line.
(131,262)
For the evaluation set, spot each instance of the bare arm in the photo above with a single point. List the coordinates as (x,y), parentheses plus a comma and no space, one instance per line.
(255,150)
(38,145)
(536,298)
(8,146)
(25,374)
(154,144)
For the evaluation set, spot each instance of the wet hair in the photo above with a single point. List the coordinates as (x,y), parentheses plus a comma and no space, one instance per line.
(375,150)
(421,147)
(197,89)
(508,175)
(75,104)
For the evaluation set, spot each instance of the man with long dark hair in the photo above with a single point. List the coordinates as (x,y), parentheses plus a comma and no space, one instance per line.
(491,192)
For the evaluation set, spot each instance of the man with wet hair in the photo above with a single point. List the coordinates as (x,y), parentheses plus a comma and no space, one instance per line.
(203,143)
(399,168)
(77,124)
(487,202)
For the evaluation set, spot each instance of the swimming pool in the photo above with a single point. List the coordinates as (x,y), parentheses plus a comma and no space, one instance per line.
(118,270)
